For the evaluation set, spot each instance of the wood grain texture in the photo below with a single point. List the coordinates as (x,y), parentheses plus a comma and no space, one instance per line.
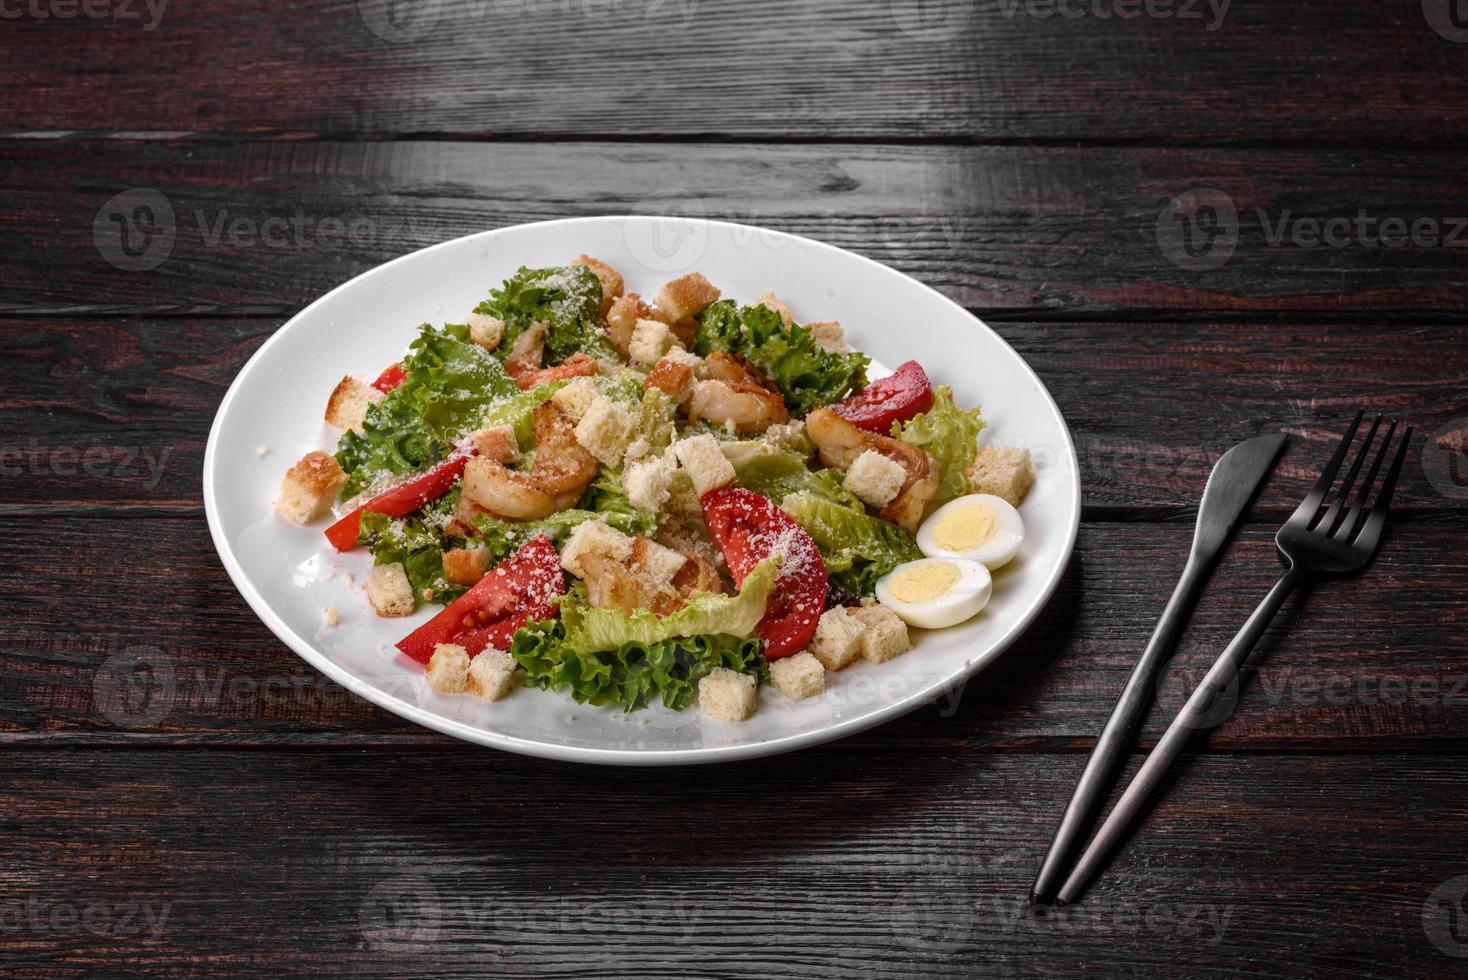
(451,861)
(1370,662)
(115,412)
(1353,72)
(267,227)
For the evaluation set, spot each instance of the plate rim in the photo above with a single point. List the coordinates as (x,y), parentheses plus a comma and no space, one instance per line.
(621,756)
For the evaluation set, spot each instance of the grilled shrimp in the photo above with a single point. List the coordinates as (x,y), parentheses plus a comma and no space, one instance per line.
(840,443)
(562,465)
(561,472)
(527,350)
(735,393)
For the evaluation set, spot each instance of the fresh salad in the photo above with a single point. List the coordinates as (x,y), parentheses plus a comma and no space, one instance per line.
(677,500)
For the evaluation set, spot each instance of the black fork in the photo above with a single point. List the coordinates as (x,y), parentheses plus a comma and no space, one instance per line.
(1328,534)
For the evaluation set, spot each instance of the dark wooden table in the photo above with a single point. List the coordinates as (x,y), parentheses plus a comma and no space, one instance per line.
(1198,224)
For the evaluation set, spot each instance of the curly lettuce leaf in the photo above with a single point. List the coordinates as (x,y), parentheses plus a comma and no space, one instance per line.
(808,376)
(857,548)
(416,543)
(775,474)
(567,298)
(632,674)
(589,629)
(449,385)
(950,436)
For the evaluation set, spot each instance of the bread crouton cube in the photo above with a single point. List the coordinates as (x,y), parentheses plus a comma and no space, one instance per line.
(650,341)
(448,669)
(771,301)
(655,565)
(883,634)
(837,640)
(575,398)
(388,590)
(673,379)
(485,330)
(648,481)
(349,401)
(726,694)
(605,430)
(685,296)
(798,677)
(875,478)
(680,355)
(309,488)
(492,675)
(498,443)
(611,279)
(594,538)
(829,337)
(705,462)
(1004,472)
(465,566)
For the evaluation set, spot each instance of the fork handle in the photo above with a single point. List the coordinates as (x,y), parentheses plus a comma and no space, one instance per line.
(1188,721)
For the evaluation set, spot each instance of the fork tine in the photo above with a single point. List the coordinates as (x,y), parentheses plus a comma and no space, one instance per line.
(1371,530)
(1330,521)
(1348,525)
(1306,511)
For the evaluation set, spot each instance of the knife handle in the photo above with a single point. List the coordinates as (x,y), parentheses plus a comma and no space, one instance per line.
(1115,742)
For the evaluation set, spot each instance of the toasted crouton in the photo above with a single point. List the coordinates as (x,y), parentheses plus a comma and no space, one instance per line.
(705,462)
(726,694)
(594,538)
(648,481)
(448,669)
(492,675)
(837,640)
(309,488)
(650,341)
(388,590)
(654,564)
(465,566)
(875,478)
(576,397)
(486,331)
(773,302)
(349,401)
(611,280)
(604,430)
(1004,472)
(798,677)
(497,443)
(883,634)
(685,296)
(672,378)
(829,337)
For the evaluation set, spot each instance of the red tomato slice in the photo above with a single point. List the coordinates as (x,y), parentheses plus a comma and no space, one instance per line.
(518,589)
(390,378)
(907,392)
(748,529)
(402,499)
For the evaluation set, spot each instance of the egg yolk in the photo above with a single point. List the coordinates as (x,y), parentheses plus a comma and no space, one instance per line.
(965,527)
(921,583)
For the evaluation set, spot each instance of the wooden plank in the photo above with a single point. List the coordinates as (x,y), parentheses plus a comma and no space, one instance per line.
(1006,230)
(115,412)
(466,862)
(79,593)
(1010,70)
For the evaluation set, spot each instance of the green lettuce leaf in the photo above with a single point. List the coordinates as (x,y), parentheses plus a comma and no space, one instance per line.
(632,674)
(603,500)
(417,544)
(950,436)
(449,386)
(589,629)
(567,298)
(808,376)
(857,548)
(775,474)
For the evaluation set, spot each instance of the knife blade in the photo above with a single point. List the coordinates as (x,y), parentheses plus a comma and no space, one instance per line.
(1235,478)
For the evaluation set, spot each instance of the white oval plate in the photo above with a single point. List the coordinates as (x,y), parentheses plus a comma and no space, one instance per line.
(289,576)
